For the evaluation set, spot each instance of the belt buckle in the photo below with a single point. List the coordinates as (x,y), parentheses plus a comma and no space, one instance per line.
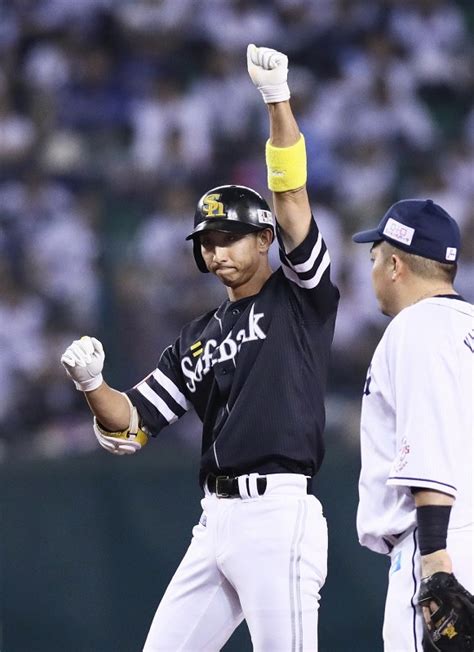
(221,494)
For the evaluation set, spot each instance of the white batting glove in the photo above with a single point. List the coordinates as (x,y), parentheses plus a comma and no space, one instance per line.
(268,69)
(84,361)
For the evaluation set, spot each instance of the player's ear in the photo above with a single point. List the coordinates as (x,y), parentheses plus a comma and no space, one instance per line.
(264,239)
(396,265)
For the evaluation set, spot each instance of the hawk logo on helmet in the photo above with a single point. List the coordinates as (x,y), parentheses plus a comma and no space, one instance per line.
(212,207)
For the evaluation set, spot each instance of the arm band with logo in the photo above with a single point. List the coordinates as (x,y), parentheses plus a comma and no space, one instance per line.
(433,523)
(286,166)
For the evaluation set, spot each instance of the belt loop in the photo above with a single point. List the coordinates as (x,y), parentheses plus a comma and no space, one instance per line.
(242,480)
(253,489)
(207,490)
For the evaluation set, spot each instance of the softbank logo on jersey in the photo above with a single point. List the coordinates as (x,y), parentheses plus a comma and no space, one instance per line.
(213,353)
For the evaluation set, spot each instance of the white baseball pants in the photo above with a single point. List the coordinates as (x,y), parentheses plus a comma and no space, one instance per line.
(262,558)
(403,624)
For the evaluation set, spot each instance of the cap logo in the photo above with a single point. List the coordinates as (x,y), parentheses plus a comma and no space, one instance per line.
(212,207)
(264,217)
(398,231)
(451,253)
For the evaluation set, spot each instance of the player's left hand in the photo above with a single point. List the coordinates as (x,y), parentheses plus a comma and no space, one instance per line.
(449,613)
(83,361)
(268,70)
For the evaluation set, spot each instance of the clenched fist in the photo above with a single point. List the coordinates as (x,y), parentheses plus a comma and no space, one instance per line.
(268,70)
(84,361)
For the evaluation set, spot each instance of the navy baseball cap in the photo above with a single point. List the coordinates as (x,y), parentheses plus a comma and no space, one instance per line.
(420,227)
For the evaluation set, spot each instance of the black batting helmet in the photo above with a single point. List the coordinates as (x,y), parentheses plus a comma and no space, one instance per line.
(236,209)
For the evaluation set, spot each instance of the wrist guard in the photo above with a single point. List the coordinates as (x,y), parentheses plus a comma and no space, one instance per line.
(122,442)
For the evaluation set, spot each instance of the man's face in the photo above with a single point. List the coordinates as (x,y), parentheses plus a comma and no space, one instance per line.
(233,257)
(382,277)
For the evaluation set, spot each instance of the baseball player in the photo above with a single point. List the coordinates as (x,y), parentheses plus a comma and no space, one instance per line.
(255,372)
(416,482)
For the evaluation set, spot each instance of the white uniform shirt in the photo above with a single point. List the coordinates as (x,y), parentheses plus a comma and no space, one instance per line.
(417,419)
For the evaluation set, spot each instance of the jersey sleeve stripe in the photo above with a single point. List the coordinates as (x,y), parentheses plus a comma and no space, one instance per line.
(146,391)
(307,265)
(169,401)
(301,268)
(423,483)
(171,388)
(308,284)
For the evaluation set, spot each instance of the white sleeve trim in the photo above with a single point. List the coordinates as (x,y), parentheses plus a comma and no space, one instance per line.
(308,264)
(155,400)
(424,484)
(310,283)
(171,388)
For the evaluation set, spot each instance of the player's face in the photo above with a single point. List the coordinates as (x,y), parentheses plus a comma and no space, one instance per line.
(233,257)
(382,278)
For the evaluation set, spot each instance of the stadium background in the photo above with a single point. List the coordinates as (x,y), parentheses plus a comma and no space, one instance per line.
(115,116)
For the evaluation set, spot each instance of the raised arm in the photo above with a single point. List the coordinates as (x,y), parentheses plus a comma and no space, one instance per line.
(285,151)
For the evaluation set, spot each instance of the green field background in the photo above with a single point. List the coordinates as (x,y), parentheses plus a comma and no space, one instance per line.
(89,544)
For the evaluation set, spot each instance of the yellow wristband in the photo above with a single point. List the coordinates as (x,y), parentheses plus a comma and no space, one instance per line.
(286,166)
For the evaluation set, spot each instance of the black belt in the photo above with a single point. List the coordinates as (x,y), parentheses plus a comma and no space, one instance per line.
(225,486)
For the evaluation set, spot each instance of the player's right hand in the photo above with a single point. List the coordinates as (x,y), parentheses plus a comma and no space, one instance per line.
(84,361)
(268,70)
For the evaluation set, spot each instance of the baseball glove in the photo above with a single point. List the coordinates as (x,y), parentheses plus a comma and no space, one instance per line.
(451,626)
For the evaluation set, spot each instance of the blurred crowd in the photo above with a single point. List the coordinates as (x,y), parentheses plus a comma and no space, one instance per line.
(117,115)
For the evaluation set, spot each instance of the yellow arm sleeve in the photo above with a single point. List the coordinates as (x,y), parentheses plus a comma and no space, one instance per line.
(286,166)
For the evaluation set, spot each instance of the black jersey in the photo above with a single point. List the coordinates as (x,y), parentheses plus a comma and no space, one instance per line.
(255,371)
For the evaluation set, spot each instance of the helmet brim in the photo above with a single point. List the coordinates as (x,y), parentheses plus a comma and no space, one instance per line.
(226,225)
